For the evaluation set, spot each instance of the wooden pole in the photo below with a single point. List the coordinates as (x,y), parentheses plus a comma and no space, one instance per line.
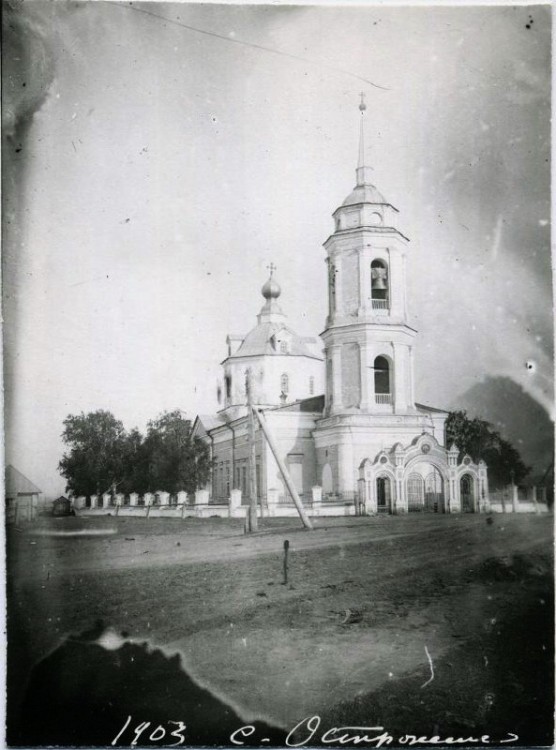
(283,470)
(286,548)
(253,522)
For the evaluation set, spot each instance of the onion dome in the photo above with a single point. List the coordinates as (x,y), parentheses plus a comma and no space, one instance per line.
(271,290)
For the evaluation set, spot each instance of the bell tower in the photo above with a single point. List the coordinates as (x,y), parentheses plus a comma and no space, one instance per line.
(368,343)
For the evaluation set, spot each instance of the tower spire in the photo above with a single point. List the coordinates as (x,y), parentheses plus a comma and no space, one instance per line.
(363,173)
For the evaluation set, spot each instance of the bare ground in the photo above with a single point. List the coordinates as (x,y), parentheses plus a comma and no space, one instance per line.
(348,638)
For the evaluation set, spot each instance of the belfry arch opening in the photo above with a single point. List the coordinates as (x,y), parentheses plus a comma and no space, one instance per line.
(379,285)
(383,378)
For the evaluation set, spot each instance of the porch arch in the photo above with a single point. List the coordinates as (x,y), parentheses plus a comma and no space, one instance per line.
(436,486)
(468,492)
(384,489)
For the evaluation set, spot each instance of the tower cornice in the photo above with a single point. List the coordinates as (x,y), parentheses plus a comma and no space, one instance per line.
(364,230)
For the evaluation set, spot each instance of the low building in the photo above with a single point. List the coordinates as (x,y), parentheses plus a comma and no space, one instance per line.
(62,507)
(23,498)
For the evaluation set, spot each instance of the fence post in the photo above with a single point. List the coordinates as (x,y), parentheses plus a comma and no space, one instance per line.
(515,498)
(272,500)
(182,500)
(235,503)
(317,500)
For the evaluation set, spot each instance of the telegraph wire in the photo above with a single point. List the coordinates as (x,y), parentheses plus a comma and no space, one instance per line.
(253,45)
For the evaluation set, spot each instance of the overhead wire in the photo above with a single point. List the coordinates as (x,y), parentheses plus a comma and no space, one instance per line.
(253,45)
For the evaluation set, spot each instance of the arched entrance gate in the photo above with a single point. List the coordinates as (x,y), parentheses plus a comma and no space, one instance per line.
(423,477)
(425,490)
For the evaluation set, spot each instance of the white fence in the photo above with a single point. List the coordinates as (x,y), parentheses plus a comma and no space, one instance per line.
(198,505)
(517,499)
(511,499)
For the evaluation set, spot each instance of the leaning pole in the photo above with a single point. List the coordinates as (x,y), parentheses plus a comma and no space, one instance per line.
(283,470)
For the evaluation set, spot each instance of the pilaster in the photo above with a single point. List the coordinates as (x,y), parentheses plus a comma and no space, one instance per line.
(364,376)
(346,480)
(335,355)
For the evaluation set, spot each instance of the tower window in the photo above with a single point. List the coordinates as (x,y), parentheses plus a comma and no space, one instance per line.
(382,379)
(228,382)
(379,284)
(283,347)
(311,385)
(285,383)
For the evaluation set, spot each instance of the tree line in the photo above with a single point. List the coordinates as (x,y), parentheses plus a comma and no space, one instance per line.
(103,456)
(478,439)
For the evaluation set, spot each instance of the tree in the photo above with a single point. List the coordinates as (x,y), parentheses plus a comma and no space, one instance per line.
(176,460)
(135,464)
(95,461)
(477,438)
(102,455)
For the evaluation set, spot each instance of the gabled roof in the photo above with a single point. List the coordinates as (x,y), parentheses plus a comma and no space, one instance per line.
(18,484)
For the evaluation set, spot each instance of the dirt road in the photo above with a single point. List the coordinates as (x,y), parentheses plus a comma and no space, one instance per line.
(371,604)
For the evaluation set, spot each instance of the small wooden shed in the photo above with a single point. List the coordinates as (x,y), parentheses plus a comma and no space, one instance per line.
(62,507)
(22,497)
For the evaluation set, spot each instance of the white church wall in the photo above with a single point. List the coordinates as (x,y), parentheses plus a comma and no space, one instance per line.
(299,370)
(267,378)
(292,432)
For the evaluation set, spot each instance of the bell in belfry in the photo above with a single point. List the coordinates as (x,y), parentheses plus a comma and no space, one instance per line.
(379,277)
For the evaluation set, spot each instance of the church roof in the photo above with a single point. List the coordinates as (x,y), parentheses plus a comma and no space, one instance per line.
(259,341)
(364,194)
(210,421)
(18,484)
(425,408)
(313,404)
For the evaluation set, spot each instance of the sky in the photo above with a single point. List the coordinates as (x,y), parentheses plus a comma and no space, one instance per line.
(152,172)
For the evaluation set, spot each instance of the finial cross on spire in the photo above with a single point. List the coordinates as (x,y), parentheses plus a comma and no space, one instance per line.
(271,268)
(362,171)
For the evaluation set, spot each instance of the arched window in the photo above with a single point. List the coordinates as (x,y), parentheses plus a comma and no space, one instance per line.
(285,383)
(283,347)
(379,285)
(311,385)
(382,381)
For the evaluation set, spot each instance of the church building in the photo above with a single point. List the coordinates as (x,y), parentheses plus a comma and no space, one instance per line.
(366,445)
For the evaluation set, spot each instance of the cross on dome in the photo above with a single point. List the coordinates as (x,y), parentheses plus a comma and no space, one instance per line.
(271,290)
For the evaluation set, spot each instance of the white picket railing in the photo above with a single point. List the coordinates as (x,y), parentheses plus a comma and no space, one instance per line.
(383,398)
